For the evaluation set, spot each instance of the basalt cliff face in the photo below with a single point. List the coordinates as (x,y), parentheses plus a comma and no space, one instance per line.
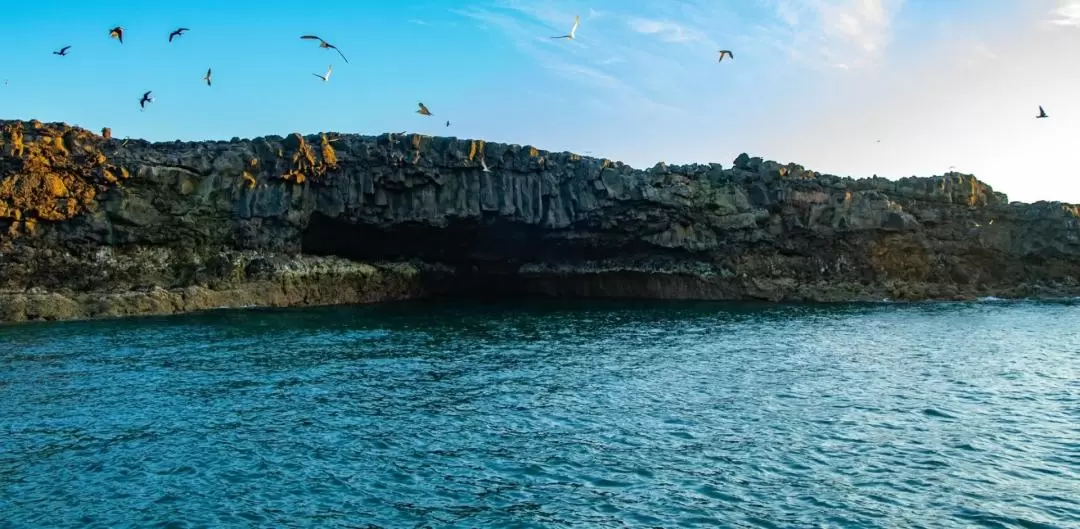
(91,227)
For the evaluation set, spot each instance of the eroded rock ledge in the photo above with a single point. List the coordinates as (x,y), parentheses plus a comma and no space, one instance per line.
(104,227)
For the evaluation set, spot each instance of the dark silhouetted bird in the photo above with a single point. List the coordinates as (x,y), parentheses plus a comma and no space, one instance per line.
(117,33)
(447,123)
(207,77)
(726,52)
(1042,113)
(145,99)
(324,44)
(177,33)
(63,51)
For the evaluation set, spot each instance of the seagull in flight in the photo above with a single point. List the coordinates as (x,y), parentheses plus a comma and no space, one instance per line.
(329,70)
(177,33)
(725,52)
(208,76)
(117,33)
(63,51)
(324,44)
(423,111)
(145,99)
(1042,113)
(573,30)
(483,165)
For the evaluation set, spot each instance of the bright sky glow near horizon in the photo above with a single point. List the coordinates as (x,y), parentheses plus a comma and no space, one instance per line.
(939,82)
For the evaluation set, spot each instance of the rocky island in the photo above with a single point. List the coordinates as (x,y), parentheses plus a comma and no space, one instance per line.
(93,226)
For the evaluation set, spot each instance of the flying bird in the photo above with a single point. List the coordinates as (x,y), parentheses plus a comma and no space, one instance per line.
(329,70)
(573,30)
(423,111)
(725,52)
(208,76)
(63,51)
(177,33)
(324,44)
(1042,113)
(117,33)
(145,99)
(483,164)
(448,123)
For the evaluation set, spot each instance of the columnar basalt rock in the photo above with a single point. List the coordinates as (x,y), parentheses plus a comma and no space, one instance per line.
(85,218)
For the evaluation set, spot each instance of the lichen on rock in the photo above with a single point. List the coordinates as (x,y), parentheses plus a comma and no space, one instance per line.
(305,165)
(476,147)
(50,173)
(328,153)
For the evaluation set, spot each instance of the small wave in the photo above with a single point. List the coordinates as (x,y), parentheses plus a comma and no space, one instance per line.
(931,412)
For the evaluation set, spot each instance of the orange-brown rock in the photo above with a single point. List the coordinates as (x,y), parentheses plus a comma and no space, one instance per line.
(49,172)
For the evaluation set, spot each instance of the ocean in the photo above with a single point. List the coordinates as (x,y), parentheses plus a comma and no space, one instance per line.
(547,414)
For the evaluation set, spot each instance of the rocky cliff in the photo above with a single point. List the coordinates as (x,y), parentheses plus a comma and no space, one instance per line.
(91,226)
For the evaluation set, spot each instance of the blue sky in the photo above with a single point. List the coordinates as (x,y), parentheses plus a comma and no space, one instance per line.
(940,82)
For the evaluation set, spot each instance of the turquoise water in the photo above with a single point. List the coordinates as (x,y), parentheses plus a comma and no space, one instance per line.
(547,415)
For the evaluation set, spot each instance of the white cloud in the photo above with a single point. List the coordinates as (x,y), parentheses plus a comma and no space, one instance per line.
(1067,13)
(852,32)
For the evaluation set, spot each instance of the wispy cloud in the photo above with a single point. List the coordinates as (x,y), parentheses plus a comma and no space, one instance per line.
(667,30)
(653,57)
(1067,13)
(851,32)
(595,59)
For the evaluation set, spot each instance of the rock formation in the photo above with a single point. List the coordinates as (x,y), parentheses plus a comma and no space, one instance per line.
(91,226)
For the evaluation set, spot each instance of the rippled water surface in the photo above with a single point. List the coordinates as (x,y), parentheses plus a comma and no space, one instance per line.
(547,415)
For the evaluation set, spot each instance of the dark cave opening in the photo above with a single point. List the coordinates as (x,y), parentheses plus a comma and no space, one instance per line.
(473,257)
(470,257)
(486,243)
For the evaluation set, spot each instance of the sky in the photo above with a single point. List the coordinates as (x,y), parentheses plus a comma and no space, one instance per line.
(892,88)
